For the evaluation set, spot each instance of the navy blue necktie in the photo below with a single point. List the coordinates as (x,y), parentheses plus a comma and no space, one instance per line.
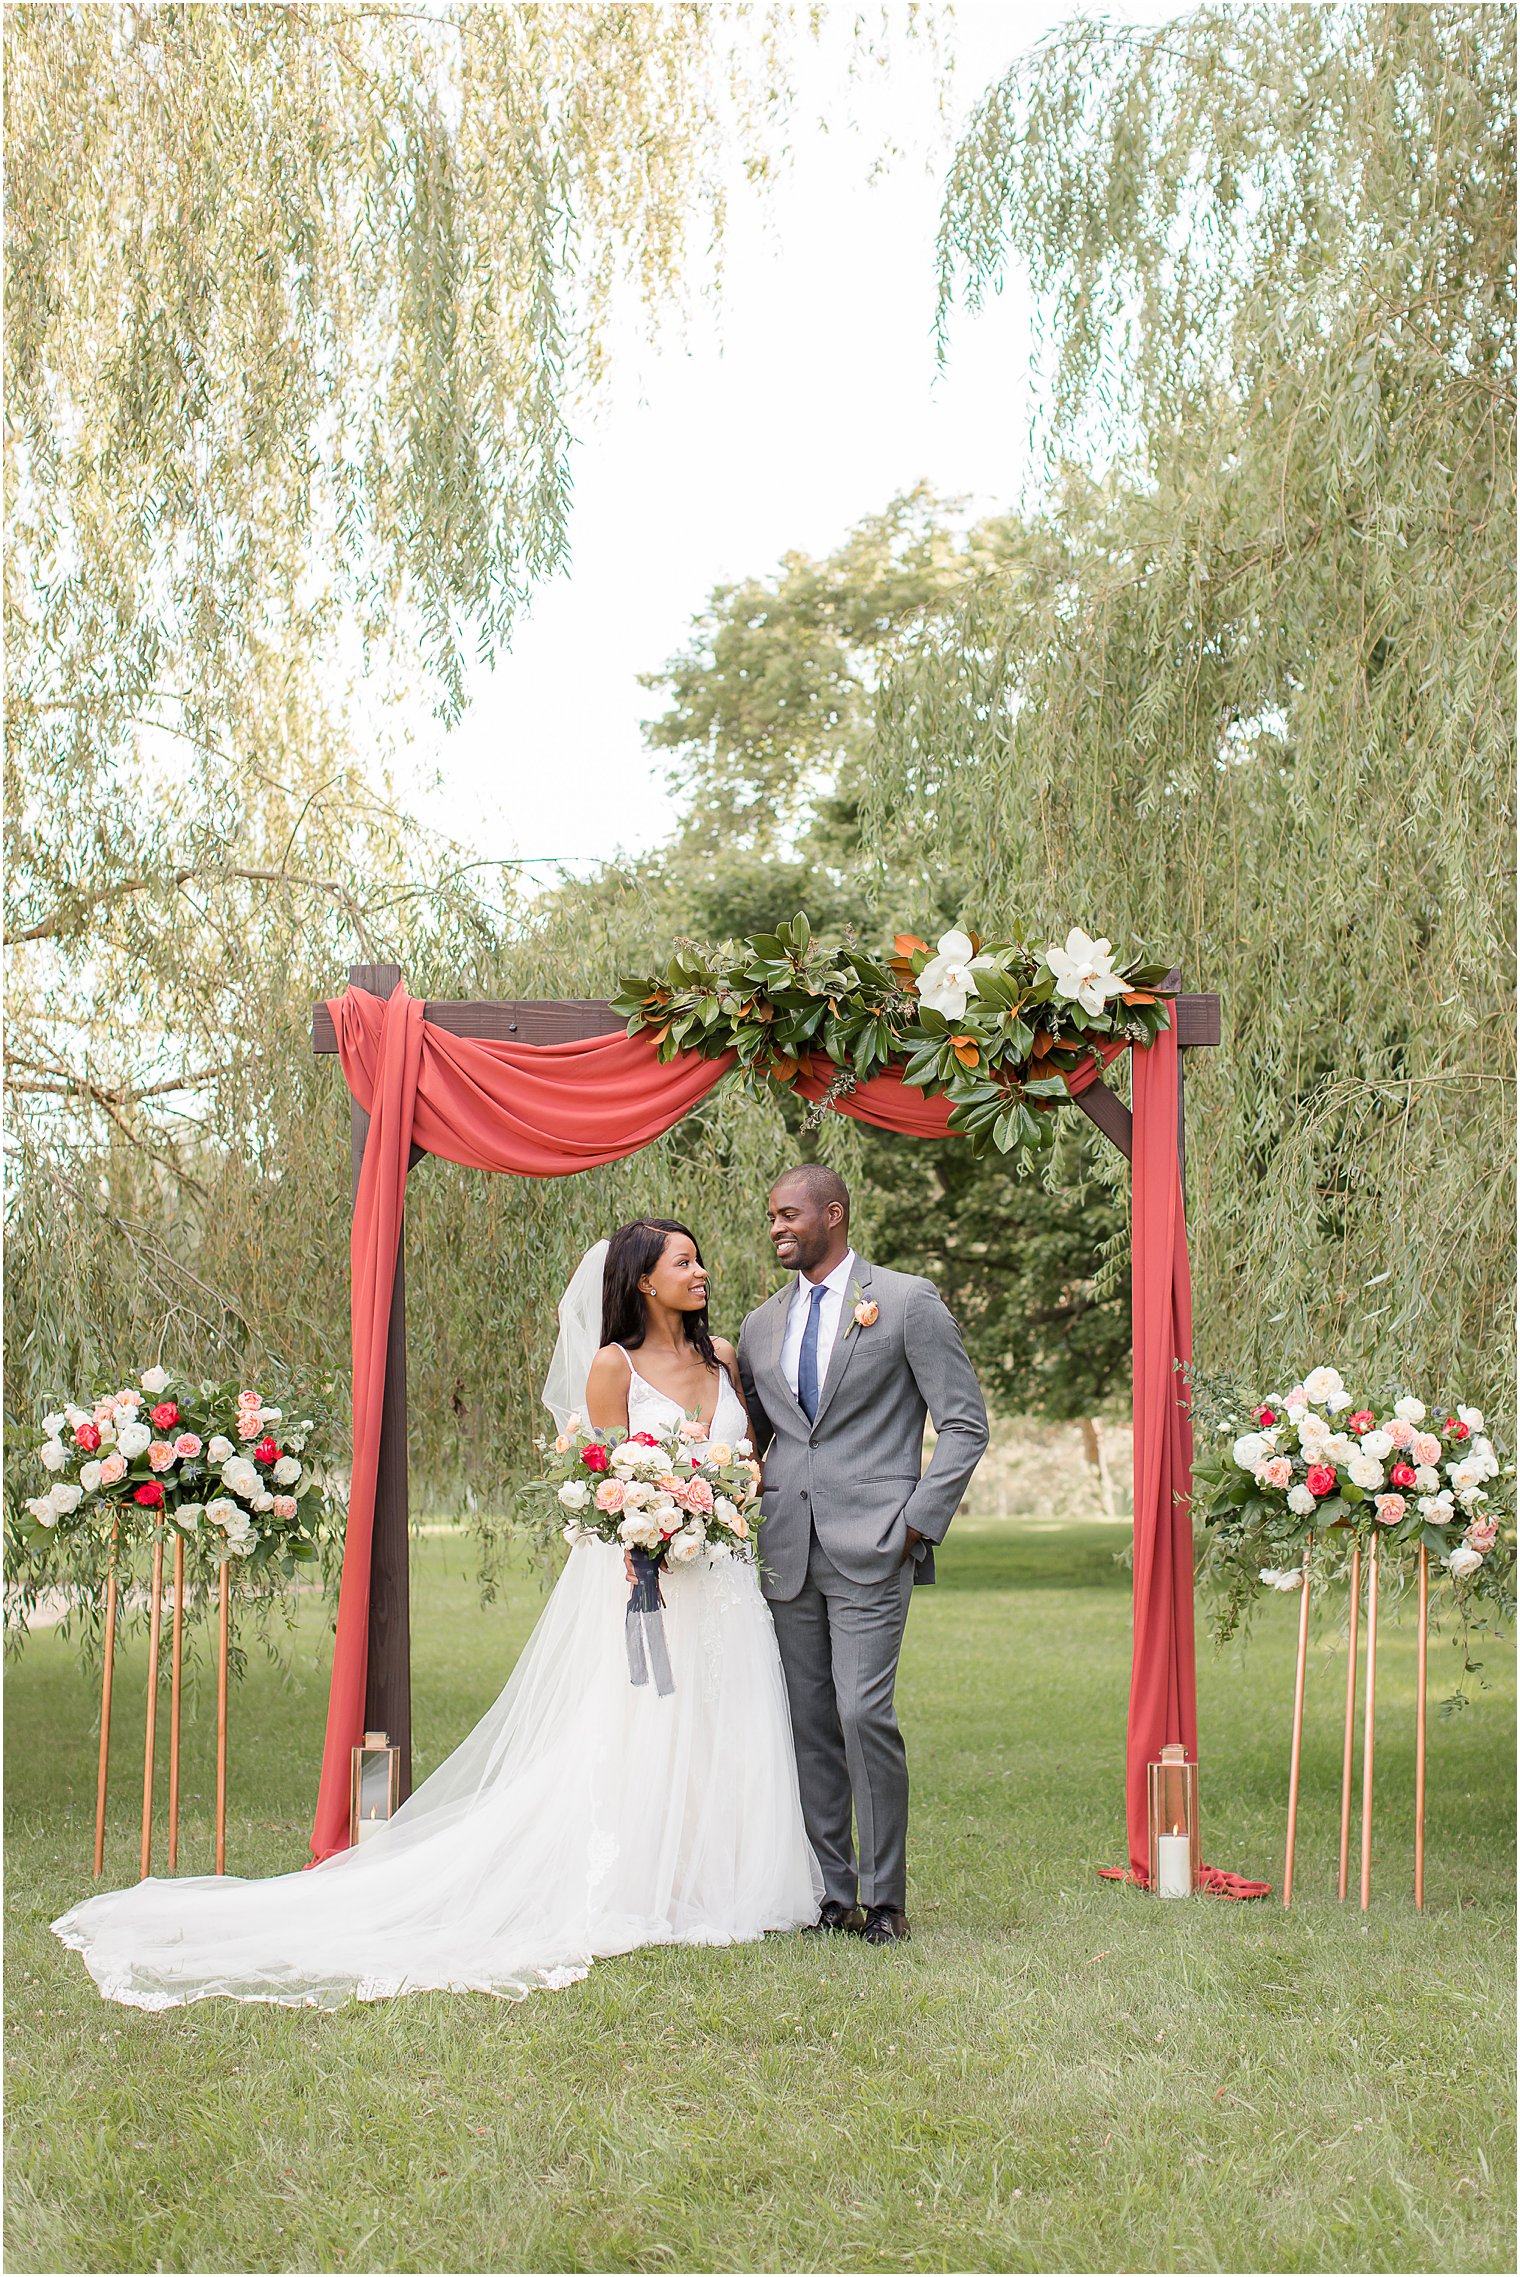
(807,1358)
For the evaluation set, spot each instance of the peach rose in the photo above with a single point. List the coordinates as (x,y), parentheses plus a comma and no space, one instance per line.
(720,1452)
(1425,1447)
(692,1427)
(611,1494)
(284,1506)
(1389,1509)
(699,1495)
(1277,1471)
(867,1314)
(160,1455)
(187,1445)
(113,1468)
(668,1483)
(248,1424)
(1400,1433)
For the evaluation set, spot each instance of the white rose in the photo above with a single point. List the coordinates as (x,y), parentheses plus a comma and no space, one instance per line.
(1468,1496)
(1298,1414)
(107,1432)
(572,1424)
(1337,1448)
(1409,1410)
(637,1495)
(1363,1471)
(1335,1401)
(219,1449)
(89,1478)
(1082,970)
(1321,1383)
(271,1414)
(1250,1449)
(1463,1559)
(286,1471)
(574,1494)
(626,1455)
(224,1513)
(1427,1480)
(1280,1577)
(74,1416)
(1438,1508)
(264,1501)
(946,985)
(154,1381)
(686,1546)
(188,1515)
(42,1510)
(1464,1474)
(1471,1416)
(52,1456)
(1481,1452)
(134,1439)
(1300,1501)
(743,1447)
(726,1510)
(1378,1445)
(240,1544)
(240,1477)
(53,1425)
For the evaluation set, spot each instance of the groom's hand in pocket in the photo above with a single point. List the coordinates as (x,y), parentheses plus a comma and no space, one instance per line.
(910,1546)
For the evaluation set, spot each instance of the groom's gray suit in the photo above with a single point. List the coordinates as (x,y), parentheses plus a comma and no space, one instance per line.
(840,1495)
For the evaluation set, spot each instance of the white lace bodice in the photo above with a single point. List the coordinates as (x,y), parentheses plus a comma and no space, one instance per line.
(650,1409)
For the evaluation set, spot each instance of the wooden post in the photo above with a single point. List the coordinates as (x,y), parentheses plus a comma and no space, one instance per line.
(1419,1734)
(1348,1744)
(150,1737)
(388,1684)
(107,1669)
(1298,1728)
(176,1654)
(223,1645)
(1368,1712)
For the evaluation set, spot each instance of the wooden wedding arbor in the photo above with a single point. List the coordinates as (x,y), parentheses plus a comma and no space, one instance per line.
(388,1680)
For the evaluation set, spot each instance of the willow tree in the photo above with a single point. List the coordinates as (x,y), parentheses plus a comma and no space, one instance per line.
(302,304)
(1263,717)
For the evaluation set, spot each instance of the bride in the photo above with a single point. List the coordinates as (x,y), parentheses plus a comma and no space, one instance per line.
(583,1815)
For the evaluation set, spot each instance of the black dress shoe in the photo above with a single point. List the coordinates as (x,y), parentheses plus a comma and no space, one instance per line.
(835,1920)
(885,1925)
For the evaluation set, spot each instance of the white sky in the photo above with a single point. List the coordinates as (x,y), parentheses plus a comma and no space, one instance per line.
(799,403)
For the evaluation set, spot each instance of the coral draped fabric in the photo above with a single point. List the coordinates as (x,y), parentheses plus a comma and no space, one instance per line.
(547,1110)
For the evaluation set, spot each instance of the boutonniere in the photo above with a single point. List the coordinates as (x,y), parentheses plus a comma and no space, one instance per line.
(866,1313)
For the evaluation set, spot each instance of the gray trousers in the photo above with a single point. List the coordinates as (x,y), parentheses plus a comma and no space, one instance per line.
(839,1641)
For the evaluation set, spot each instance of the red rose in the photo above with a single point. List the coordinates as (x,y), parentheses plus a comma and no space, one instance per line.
(1361,1421)
(88,1437)
(643,1439)
(267,1450)
(1266,1417)
(165,1416)
(594,1458)
(1457,1430)
(150,1494)
(1321,1478)
(1402,1475)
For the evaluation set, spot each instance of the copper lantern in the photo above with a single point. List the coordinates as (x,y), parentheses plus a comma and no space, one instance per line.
(375,1785)
(1172,1786)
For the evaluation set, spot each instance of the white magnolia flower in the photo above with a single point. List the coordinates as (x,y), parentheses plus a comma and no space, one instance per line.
(1378,1445)
(1084,970)
(220,1449)
(1363,1471)
(1471,1416)
(89,1478)
(1409,1410)
(42,1510)
(574,1494)
(1250,1449)
(1282,1577)
(286,1471)
(1300,1501)
(1427,1479)
(1463,1559)
(53,1425)
(134,1439)
(224,1513)
(1320,1383)
(52,1456)
(154,1381)
(188,1515)
(946,984)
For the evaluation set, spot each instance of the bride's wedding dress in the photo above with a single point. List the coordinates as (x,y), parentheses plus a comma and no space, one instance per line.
(583,1816)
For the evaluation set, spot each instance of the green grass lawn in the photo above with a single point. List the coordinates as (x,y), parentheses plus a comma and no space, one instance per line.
(1056,2073)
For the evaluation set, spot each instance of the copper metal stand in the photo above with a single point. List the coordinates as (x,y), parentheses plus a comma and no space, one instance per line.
(105,1702)
(1298,1726)
(1368,1713)
(155,1625)
(221,1722)
(175,1655)
(1353,1617)
(1419,1734)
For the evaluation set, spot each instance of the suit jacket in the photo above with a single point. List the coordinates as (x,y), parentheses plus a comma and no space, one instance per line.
(856,1472)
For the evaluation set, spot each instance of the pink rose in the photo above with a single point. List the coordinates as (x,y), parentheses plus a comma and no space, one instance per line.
(1360,1422)
(248,1424)
(1400,1432)
(1402,1475)
(88,1437)
(1389,1509)
(699,1495)
(692,1428)
(1425,1447)
(1483,1533)
(187,1445)
(284,1506)
(611,1494)
(160,1455)
(1277,1472)
(127,1402)
(113,1468)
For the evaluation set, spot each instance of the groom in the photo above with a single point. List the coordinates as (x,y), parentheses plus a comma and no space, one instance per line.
(839,1368)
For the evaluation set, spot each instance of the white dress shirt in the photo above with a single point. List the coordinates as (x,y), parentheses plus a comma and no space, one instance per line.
(836,1288)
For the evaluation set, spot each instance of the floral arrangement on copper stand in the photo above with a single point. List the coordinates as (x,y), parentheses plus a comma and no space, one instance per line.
(206,1471)
(1400,1481)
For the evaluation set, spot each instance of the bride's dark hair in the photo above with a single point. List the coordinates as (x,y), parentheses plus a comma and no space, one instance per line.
(633,1251)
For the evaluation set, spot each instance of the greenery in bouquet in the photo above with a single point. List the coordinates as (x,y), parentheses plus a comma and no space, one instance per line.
(996,1027)
(242,1480)
(653,1493)
(1317,1460)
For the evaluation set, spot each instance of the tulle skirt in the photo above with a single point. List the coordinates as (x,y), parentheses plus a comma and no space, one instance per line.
(583,1816)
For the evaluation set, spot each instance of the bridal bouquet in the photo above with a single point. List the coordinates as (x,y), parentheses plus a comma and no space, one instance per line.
(663,1504)
(218,1463)
(1317,1459)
